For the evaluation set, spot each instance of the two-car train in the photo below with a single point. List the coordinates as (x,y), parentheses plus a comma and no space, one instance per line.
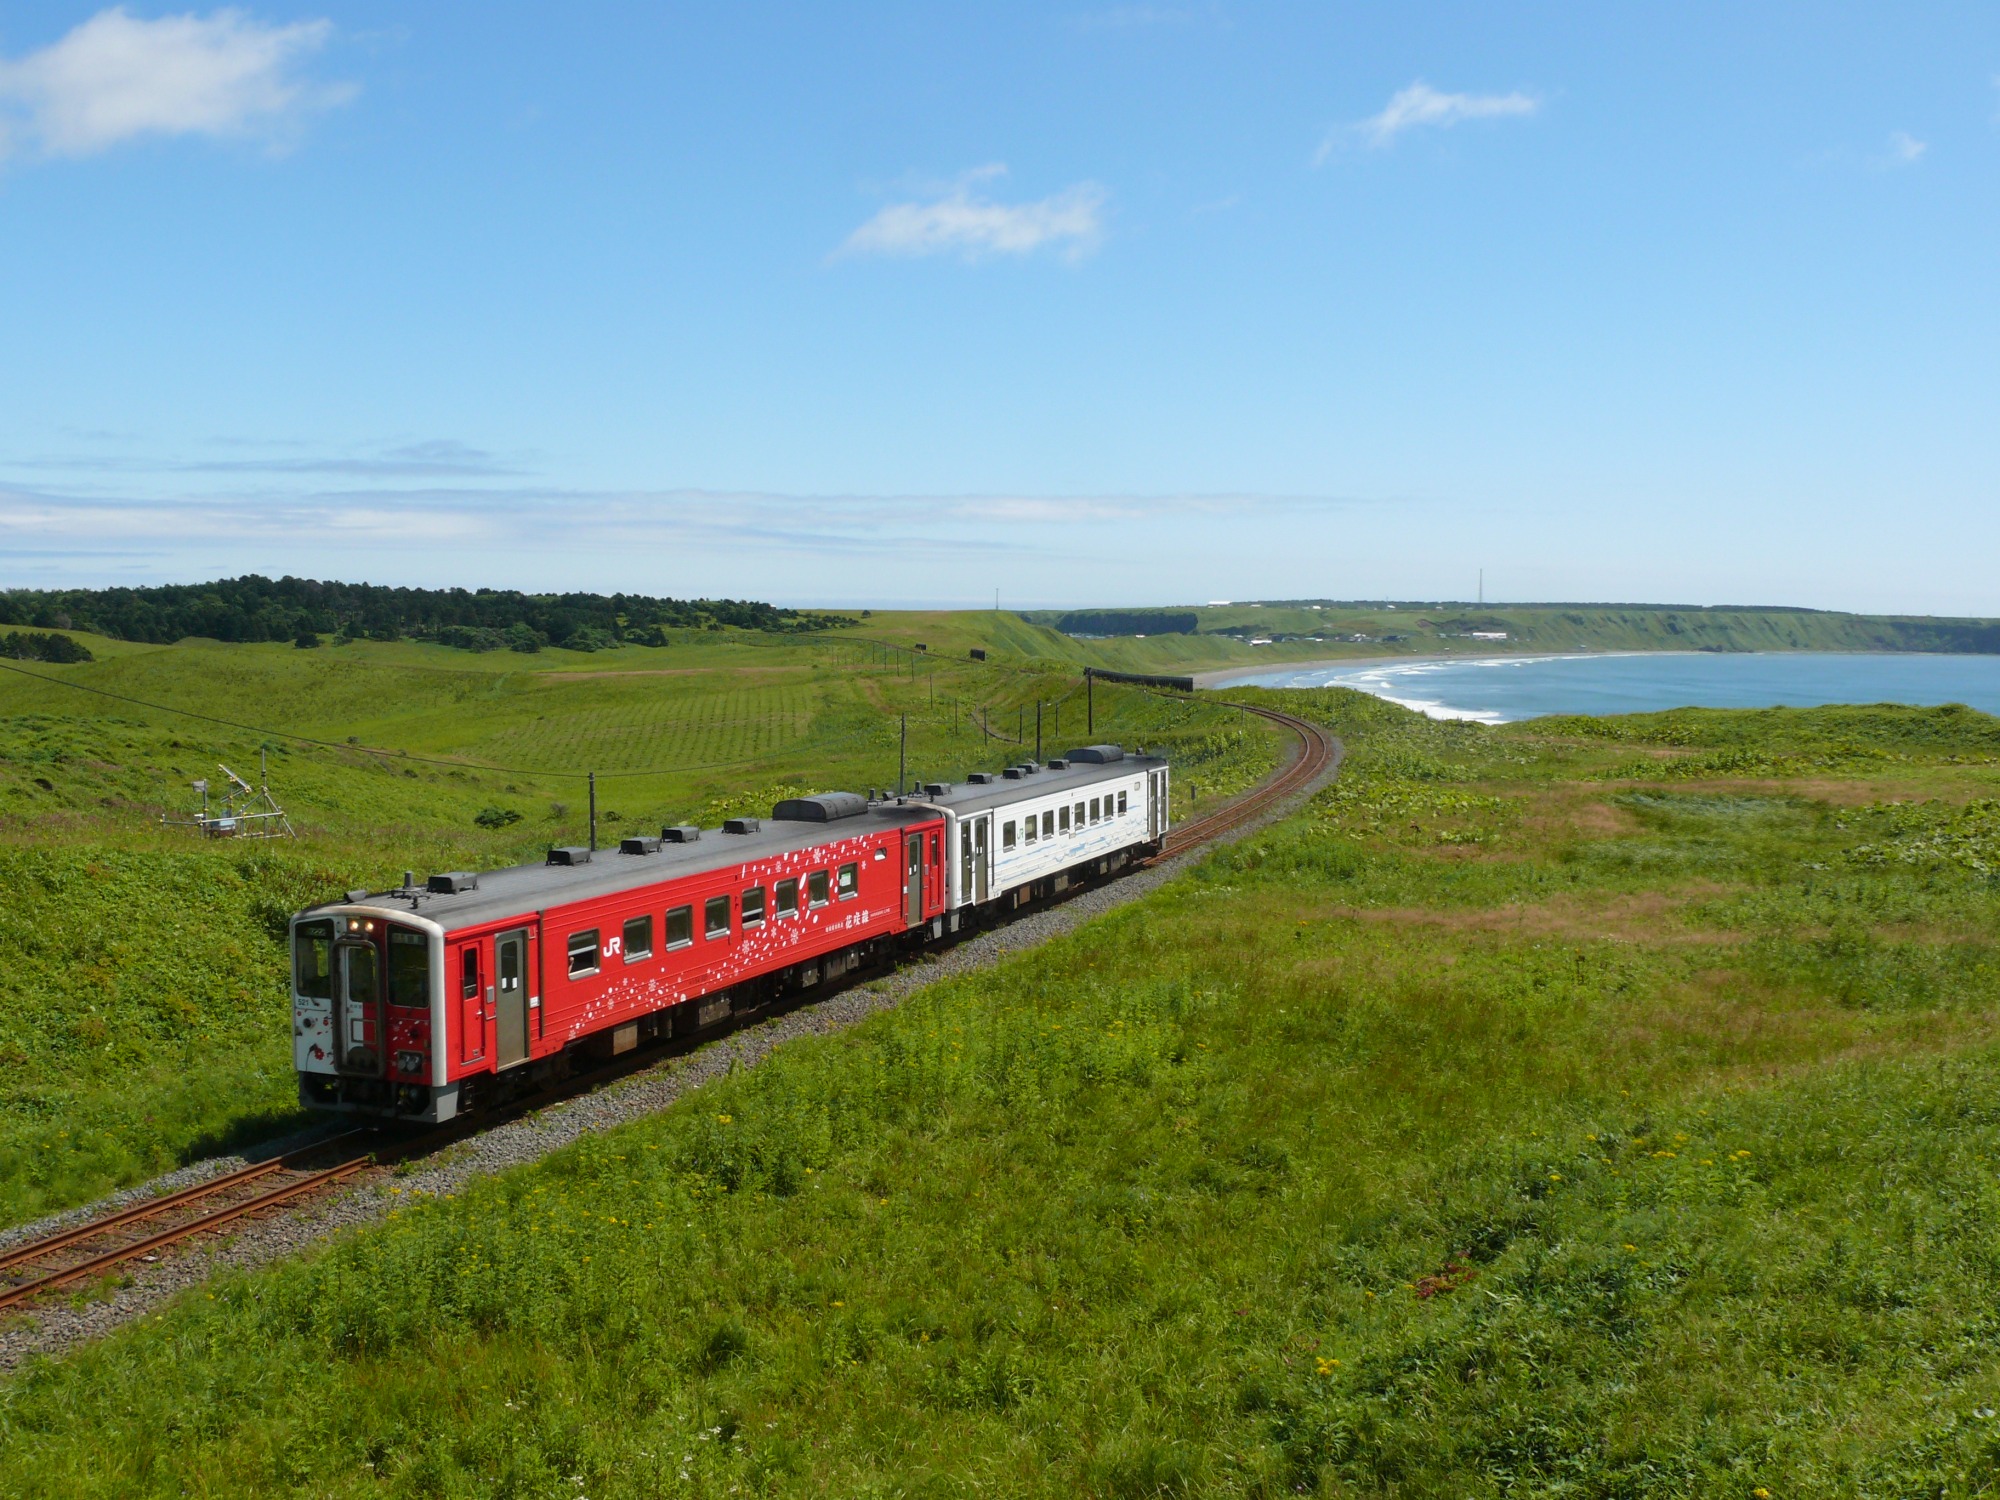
(418,1003)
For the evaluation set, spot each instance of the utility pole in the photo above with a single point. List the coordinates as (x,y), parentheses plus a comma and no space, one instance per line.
(1090,702)
(1038,729)
(1482,588)
(902,750)
(593,812)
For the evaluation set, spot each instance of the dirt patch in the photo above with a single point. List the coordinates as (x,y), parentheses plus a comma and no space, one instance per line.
(1644,917)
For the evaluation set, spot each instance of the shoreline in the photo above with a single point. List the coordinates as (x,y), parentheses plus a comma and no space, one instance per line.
(1216,677)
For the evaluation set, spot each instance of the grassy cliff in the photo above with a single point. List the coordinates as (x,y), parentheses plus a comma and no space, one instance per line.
(1329,628)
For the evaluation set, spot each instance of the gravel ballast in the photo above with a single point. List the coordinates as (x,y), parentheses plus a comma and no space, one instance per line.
(60,1325)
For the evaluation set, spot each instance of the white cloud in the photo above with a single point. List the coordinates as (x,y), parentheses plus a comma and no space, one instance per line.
(1420,104)
(115,77)
(1906,149)
(975,226)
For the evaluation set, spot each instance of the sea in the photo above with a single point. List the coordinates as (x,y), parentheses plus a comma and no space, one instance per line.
(1501,689)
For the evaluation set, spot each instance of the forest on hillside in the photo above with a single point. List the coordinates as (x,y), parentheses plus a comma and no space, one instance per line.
(253,608)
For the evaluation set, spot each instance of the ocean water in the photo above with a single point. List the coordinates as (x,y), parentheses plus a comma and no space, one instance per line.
(1500,689)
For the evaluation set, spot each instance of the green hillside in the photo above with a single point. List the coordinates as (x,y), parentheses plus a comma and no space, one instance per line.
(143,1017)
(1585,1107)
(1329,628)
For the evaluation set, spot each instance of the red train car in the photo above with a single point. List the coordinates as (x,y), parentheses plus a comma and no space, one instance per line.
(413,1003)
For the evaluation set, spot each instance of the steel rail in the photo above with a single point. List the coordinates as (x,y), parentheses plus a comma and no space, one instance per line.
(152,1208)
(33,1250)
(1317,749)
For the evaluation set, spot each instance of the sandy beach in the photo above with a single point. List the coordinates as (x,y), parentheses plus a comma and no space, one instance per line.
(1228,676)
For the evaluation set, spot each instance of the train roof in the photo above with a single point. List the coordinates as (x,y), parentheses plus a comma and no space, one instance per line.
(456,901)
(1078,771)
(517,889)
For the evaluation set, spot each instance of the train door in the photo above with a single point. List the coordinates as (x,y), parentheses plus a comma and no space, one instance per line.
(913,879)
(357,1006)
(475,1003)
(979,861)
(1156,804)
(510,968)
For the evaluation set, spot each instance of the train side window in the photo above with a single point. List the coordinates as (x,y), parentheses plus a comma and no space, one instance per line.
(1048,825)
(1062,818)
(1078,821)
(582,953)
(1032,822)
(816,889)
(785,897)
(468,972)
(680,927)
(1121,804)
(753,907)
(1007,835)
(638,939)
(1096,810)
(314,975)
(715,917)
(847,884)
(409,968)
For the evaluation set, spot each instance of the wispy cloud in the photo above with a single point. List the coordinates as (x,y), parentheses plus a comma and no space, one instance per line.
(1420,105)
(964,221)
(1905,149)
(434,458)
(116,77)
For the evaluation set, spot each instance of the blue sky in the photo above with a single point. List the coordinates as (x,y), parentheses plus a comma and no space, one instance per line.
(1114,304)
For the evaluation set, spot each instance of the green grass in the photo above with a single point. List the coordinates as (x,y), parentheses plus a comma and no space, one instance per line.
(143,1012)
(1503,1124)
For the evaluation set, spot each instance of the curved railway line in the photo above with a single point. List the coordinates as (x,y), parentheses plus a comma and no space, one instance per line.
(143,1231)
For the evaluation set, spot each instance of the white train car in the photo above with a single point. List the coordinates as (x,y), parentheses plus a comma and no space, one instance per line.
(1032,831)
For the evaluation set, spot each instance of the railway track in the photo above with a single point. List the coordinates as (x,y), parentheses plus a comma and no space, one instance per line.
(144,1231)
(1318,752)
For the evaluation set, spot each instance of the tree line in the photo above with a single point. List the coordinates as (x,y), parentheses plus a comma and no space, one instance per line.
(303,610)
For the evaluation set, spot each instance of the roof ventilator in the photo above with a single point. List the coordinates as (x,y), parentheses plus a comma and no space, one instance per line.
(741,825)
(824,808)
(639,844)
(980,778)
(569,854)
(1097,755)
(452,883)
(679,833)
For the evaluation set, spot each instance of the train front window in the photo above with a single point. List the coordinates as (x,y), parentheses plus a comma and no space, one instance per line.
(409,968)
(313,960)
(363,972)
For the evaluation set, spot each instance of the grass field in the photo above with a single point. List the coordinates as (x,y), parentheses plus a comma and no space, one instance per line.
(143,1014)
(1596,1108)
